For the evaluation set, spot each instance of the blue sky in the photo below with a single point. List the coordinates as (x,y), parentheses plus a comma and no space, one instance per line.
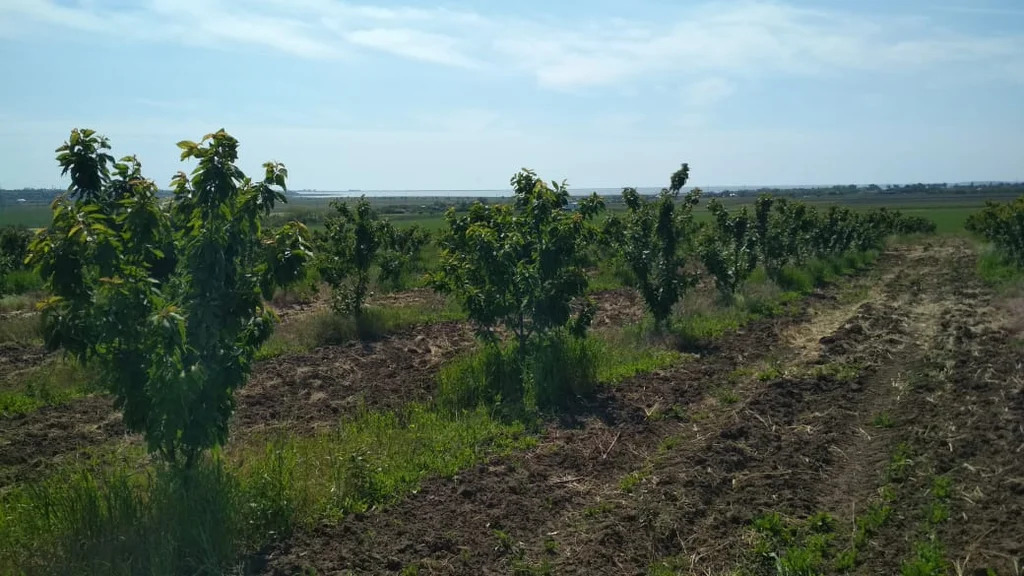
(459,95)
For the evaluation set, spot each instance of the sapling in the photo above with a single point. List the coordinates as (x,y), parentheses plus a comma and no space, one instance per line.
(165,299)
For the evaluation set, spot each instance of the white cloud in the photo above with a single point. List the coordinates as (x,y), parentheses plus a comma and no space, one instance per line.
(708,92)
(745,39)
(719,40)
(467,122)
(413,44)
(982,11)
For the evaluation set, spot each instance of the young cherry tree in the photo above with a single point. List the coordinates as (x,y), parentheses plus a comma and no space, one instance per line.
(729,247)
(165,299)
(402,254)
(520,265)
(656,240)
(348,248)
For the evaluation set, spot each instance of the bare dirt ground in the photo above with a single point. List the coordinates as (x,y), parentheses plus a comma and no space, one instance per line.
(795,416)
(299,392)
(16,358)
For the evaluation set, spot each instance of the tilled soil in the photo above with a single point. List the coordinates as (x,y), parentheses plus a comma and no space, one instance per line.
(32,444)
(305,391)
(669,469)
(16,358)
(300,393)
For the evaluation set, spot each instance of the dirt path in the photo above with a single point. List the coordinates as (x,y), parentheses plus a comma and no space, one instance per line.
(668,471)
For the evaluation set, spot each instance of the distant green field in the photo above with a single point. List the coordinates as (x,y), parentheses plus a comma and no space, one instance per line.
(432,222)
(949,217)
(30,216)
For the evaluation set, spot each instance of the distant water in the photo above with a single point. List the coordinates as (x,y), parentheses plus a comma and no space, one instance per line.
(488,193)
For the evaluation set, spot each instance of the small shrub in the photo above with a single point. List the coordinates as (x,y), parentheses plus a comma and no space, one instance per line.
(402,255)
(520,266)
(349,246)
(656,242)
(728,247)
(1003,226)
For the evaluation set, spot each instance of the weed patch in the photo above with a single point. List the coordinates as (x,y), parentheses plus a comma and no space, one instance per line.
(21,281)
(22,329)
(305,333)
(51,384)
(998,271)
(554,370)
(630,351)
(127,518)
(882,420)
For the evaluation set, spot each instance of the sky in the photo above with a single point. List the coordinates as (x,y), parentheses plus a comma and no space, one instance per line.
(461,94)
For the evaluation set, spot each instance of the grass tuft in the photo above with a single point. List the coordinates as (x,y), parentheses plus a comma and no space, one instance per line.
(554,370)
(325,328)
(127,518)
(998,271)
(55,382)
(23,328)
(21,281)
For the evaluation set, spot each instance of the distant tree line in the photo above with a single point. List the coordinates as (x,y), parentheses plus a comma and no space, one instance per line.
(438,205)
(962,188)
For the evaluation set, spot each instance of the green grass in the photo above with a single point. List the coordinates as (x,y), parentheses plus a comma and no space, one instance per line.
(21,329)
(125,517)
(20,282)
(306,332)
(900,463)
(726,396)
(552,372)
(19,302)
(948,219)
(838,371)
(928,560)
(703,319)
(431,222)
(630,481)
(55,382)
(29,216)
(793,547)
(558,369)
(632,350)
(610,274)
(882,420)
(998,272)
